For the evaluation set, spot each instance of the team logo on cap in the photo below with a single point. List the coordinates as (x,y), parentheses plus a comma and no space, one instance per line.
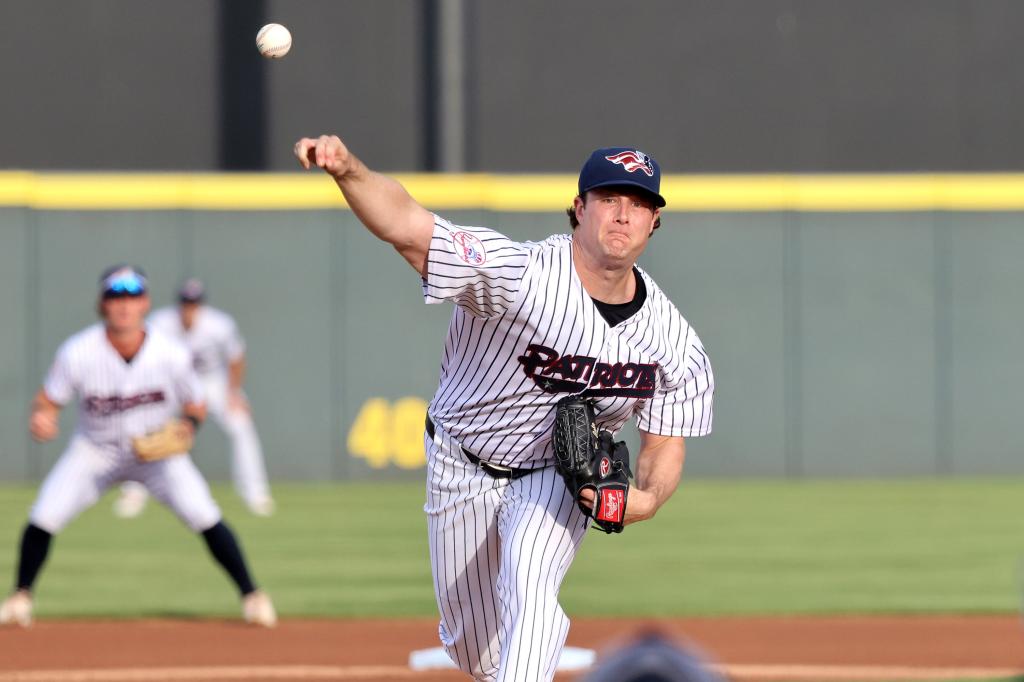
(633,161)
(468,248)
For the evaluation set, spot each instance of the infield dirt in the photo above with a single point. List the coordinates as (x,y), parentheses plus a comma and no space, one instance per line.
(798,648)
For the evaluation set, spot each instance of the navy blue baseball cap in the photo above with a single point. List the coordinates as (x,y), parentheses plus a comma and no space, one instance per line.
(123,280)
(611,166)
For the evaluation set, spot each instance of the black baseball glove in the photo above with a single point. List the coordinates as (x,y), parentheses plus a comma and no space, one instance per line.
(587,458)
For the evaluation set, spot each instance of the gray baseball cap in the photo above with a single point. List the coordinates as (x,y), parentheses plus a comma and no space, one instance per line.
(191,290)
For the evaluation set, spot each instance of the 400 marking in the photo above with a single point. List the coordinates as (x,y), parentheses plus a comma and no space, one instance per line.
(386,433)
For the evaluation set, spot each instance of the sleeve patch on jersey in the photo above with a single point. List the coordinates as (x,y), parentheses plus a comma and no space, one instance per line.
(468,248)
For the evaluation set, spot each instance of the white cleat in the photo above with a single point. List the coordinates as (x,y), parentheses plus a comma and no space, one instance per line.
(257,609)
(17,609)
(263,506)
(130,503)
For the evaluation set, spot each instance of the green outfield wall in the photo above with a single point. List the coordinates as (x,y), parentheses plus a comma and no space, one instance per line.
(857,325)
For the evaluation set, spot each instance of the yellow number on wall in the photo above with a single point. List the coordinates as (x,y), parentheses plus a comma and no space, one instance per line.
(407,432)
(369,436)
(385,434)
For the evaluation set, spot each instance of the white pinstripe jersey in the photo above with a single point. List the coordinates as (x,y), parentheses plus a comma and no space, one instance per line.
(214,338)
(116,399)
(524,333)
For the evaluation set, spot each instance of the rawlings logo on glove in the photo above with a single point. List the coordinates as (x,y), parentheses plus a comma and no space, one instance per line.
(588,458)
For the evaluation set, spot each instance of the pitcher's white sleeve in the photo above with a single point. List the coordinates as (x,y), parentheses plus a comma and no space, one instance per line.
(477,268)
(682,405)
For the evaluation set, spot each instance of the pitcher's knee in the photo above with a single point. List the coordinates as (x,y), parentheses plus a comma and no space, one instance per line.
(479,673)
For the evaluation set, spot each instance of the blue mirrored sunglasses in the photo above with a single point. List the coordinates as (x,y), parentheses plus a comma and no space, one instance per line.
(127,285)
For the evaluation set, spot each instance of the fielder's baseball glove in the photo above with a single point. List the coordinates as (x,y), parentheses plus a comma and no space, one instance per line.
(587,458)
(173,438)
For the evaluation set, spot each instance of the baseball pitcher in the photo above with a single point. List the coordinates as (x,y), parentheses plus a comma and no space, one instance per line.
(551,348)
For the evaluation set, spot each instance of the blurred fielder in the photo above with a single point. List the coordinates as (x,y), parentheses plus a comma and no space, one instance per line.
(139,403)
(534,323)
(218,355)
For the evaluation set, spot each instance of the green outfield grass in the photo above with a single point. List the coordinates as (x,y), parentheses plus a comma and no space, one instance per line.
(718,547)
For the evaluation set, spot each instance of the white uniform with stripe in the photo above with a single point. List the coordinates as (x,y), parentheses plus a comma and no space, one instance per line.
(118,400)
(524,333)
(215,342)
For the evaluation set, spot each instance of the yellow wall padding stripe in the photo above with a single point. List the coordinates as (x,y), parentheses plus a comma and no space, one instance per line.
(298,191)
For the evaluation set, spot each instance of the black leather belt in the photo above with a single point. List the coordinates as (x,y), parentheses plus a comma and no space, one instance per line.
(493,470)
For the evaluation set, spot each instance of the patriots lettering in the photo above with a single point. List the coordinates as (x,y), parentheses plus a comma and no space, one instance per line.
(555,373)
(98,406)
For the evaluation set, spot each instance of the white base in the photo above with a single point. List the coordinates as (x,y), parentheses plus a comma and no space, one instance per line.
(572,658)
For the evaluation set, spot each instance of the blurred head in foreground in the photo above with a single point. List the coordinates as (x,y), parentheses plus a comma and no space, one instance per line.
(651,657)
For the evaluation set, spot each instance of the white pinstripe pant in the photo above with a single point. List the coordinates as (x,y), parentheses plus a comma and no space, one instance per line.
(85,471)
(499,550)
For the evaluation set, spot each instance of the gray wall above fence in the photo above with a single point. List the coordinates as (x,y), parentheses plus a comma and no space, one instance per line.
(728,85)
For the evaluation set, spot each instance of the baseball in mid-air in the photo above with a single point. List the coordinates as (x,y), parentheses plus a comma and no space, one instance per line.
(273,41)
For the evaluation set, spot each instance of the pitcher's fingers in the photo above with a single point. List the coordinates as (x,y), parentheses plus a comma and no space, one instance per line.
(322,151)
(301,151)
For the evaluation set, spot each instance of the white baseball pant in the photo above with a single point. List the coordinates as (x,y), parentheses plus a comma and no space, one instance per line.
(499,549)
(84,472)
(247,468)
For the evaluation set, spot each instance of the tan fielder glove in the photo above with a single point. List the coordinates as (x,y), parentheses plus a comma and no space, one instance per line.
(173,438)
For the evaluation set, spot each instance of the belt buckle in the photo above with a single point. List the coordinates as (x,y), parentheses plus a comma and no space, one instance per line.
(506,471)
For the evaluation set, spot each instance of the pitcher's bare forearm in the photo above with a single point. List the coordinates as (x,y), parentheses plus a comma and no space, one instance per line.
(381,203)
(386,209)
(659,468)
